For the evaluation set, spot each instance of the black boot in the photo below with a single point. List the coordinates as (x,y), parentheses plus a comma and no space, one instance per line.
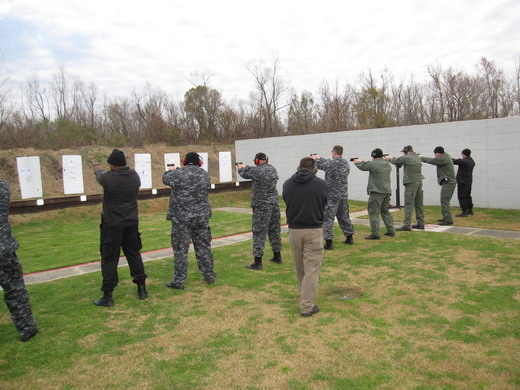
(257,265)
(328,245)
(28,334)
(106,300)
(470,211)
(141,291)
(277,258)
(349,240)
(463,214)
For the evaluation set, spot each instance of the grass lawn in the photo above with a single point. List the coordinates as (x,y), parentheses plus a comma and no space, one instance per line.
(483,218)
(432,311)
(46,244)
(418,311)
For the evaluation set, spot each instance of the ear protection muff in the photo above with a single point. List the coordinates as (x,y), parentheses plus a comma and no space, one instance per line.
(201,161)
(260,156)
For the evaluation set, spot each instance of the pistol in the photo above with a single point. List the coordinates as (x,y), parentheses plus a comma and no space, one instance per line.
(354,158)
(170,165)
(238,163)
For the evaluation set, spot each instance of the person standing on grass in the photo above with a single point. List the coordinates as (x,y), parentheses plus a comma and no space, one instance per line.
(446,179)
(16,296)
(336,170)
(119,226)
(305,196)
(378,193)
(464,182)
(189,211)
(266,208)
(413,193)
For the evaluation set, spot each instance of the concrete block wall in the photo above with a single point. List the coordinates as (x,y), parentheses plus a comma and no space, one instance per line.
(495,146)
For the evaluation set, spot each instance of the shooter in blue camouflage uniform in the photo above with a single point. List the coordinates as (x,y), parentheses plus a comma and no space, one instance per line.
(189,212)
(16,296)
(266,209)
(336,170)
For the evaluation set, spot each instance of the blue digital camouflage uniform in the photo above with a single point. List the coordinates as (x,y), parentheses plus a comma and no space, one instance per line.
(336,176)
(16,296)
(190,212)
(266,209)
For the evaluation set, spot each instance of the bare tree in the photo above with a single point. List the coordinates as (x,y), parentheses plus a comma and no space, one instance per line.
(335,107)
(36,95)
(89,96)
(494,83)
(6,108)
(373,102)
(516,87)
(267,101)
(302,117)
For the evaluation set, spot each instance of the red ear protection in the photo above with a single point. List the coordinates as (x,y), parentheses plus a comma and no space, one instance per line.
(260,156)
(201,162)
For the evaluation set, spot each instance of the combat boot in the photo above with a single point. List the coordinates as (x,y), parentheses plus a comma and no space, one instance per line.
(141,291)
(463,214)
(470,211)
(349,240)
(257,265)
(28,334)
(106,300)
(277,258)
(328,245)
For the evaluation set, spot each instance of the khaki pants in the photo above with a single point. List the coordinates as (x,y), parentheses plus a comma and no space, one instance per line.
(307,252)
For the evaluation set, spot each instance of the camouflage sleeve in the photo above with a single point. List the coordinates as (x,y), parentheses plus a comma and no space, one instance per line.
(8,244)
(5,197)
(246,172)
(207,181)
(169,178)
(322,163)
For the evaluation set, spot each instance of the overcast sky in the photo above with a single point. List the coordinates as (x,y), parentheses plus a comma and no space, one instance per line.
(122,45)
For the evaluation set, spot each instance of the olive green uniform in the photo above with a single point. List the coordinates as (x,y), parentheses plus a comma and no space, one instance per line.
(446,179)
(413,193)
(379,191)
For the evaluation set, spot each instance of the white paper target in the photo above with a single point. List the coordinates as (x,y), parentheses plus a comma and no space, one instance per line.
(72,174)
(172,158)
(143,166)
(224,166)
(205,161)
(30,177)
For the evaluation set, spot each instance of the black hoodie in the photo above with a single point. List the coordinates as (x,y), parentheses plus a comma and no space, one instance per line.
(305,196)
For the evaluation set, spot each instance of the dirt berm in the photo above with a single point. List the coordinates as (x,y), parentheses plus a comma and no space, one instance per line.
(51,165)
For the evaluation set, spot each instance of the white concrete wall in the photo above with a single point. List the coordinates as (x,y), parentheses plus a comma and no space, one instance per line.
(494,143)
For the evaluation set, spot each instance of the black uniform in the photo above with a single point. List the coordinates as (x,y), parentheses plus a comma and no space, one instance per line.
(464,182)
(16,296)
(120,225)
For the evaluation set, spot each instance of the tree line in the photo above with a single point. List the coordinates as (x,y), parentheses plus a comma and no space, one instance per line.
(66,112)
